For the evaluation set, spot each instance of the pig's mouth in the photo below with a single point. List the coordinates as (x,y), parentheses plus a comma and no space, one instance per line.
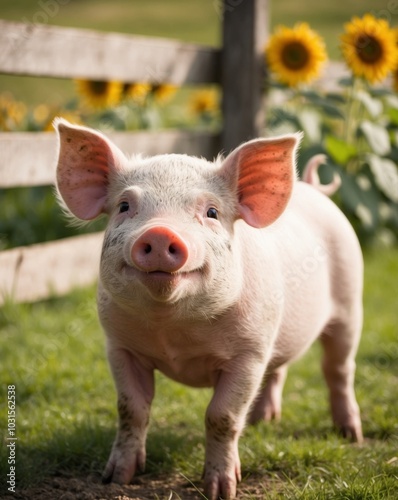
(162,283)
(163,276)
(159,274)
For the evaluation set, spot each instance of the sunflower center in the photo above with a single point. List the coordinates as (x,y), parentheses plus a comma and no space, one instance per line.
(368,49)
(99,88)
(295,56)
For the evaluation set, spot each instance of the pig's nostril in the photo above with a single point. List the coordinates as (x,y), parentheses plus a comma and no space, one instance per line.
(173,249)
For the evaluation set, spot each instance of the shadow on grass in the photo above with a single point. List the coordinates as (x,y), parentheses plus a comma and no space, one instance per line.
(84,450)
(70,466)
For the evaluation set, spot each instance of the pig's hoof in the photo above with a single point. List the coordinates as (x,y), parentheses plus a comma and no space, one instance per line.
(114,474)
(352,432)
(220,487)
(220,483)
(121,469)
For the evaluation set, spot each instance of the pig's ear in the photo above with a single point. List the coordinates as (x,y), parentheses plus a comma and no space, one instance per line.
(86,160)
(263,173)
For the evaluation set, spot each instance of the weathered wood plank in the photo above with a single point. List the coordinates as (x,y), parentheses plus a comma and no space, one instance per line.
(36,272)
(41,50)
(243,70)
(29,158)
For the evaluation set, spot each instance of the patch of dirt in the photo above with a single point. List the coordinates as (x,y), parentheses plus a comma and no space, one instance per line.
(145,487)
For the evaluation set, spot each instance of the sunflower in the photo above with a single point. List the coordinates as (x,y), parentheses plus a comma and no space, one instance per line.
(100,94)
(163,92)
(369,47)
(12,113)
(136,91)
(296,55)
(204,102)
(41,113)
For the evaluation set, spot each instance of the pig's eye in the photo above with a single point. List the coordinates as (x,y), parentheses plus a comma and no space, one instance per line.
(212,213)
(123,207)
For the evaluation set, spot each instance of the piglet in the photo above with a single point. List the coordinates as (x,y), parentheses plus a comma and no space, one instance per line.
(218,274)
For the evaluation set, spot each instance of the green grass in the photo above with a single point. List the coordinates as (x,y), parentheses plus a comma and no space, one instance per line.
(53,352)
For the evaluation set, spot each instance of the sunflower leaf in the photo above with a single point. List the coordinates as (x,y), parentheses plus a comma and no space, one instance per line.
(349,191)
(391,101)
(393,115)
(340,150)
(310,94)
(380,92)
(386,175)
(328,108)
(377,137)
(364,203)
(336,97)
(324,105)
(346,81)
(310,123)
(280,115)
(372,105)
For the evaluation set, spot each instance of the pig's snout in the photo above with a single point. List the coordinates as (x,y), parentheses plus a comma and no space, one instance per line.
(159,249)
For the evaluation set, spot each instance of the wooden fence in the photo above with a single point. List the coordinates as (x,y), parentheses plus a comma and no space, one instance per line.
(28,159)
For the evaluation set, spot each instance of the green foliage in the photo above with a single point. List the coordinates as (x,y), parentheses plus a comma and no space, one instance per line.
(29,216)
(53,352)
(357,128)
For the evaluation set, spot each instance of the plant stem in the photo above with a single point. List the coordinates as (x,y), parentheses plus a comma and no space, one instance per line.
(353,120)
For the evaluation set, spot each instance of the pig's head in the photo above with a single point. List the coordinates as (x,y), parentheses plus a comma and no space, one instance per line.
(171,235)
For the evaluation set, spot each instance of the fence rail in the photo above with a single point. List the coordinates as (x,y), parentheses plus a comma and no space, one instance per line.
(28,158)
(39,271)
(51,51)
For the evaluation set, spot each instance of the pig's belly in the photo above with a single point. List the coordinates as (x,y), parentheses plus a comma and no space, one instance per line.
(300,328)
(194,372)
(286,351)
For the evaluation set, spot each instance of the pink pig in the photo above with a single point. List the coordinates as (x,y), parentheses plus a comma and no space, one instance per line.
(217,274)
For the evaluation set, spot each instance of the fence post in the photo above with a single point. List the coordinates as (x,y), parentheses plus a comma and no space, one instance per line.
(245,30)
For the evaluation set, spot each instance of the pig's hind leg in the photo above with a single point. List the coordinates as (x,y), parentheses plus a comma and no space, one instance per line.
(268,405)
(340,341)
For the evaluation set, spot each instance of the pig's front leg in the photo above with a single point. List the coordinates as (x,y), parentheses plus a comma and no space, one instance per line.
(135,388)
(225,419)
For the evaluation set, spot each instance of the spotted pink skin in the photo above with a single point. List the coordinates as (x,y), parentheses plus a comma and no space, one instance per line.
(219,275)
